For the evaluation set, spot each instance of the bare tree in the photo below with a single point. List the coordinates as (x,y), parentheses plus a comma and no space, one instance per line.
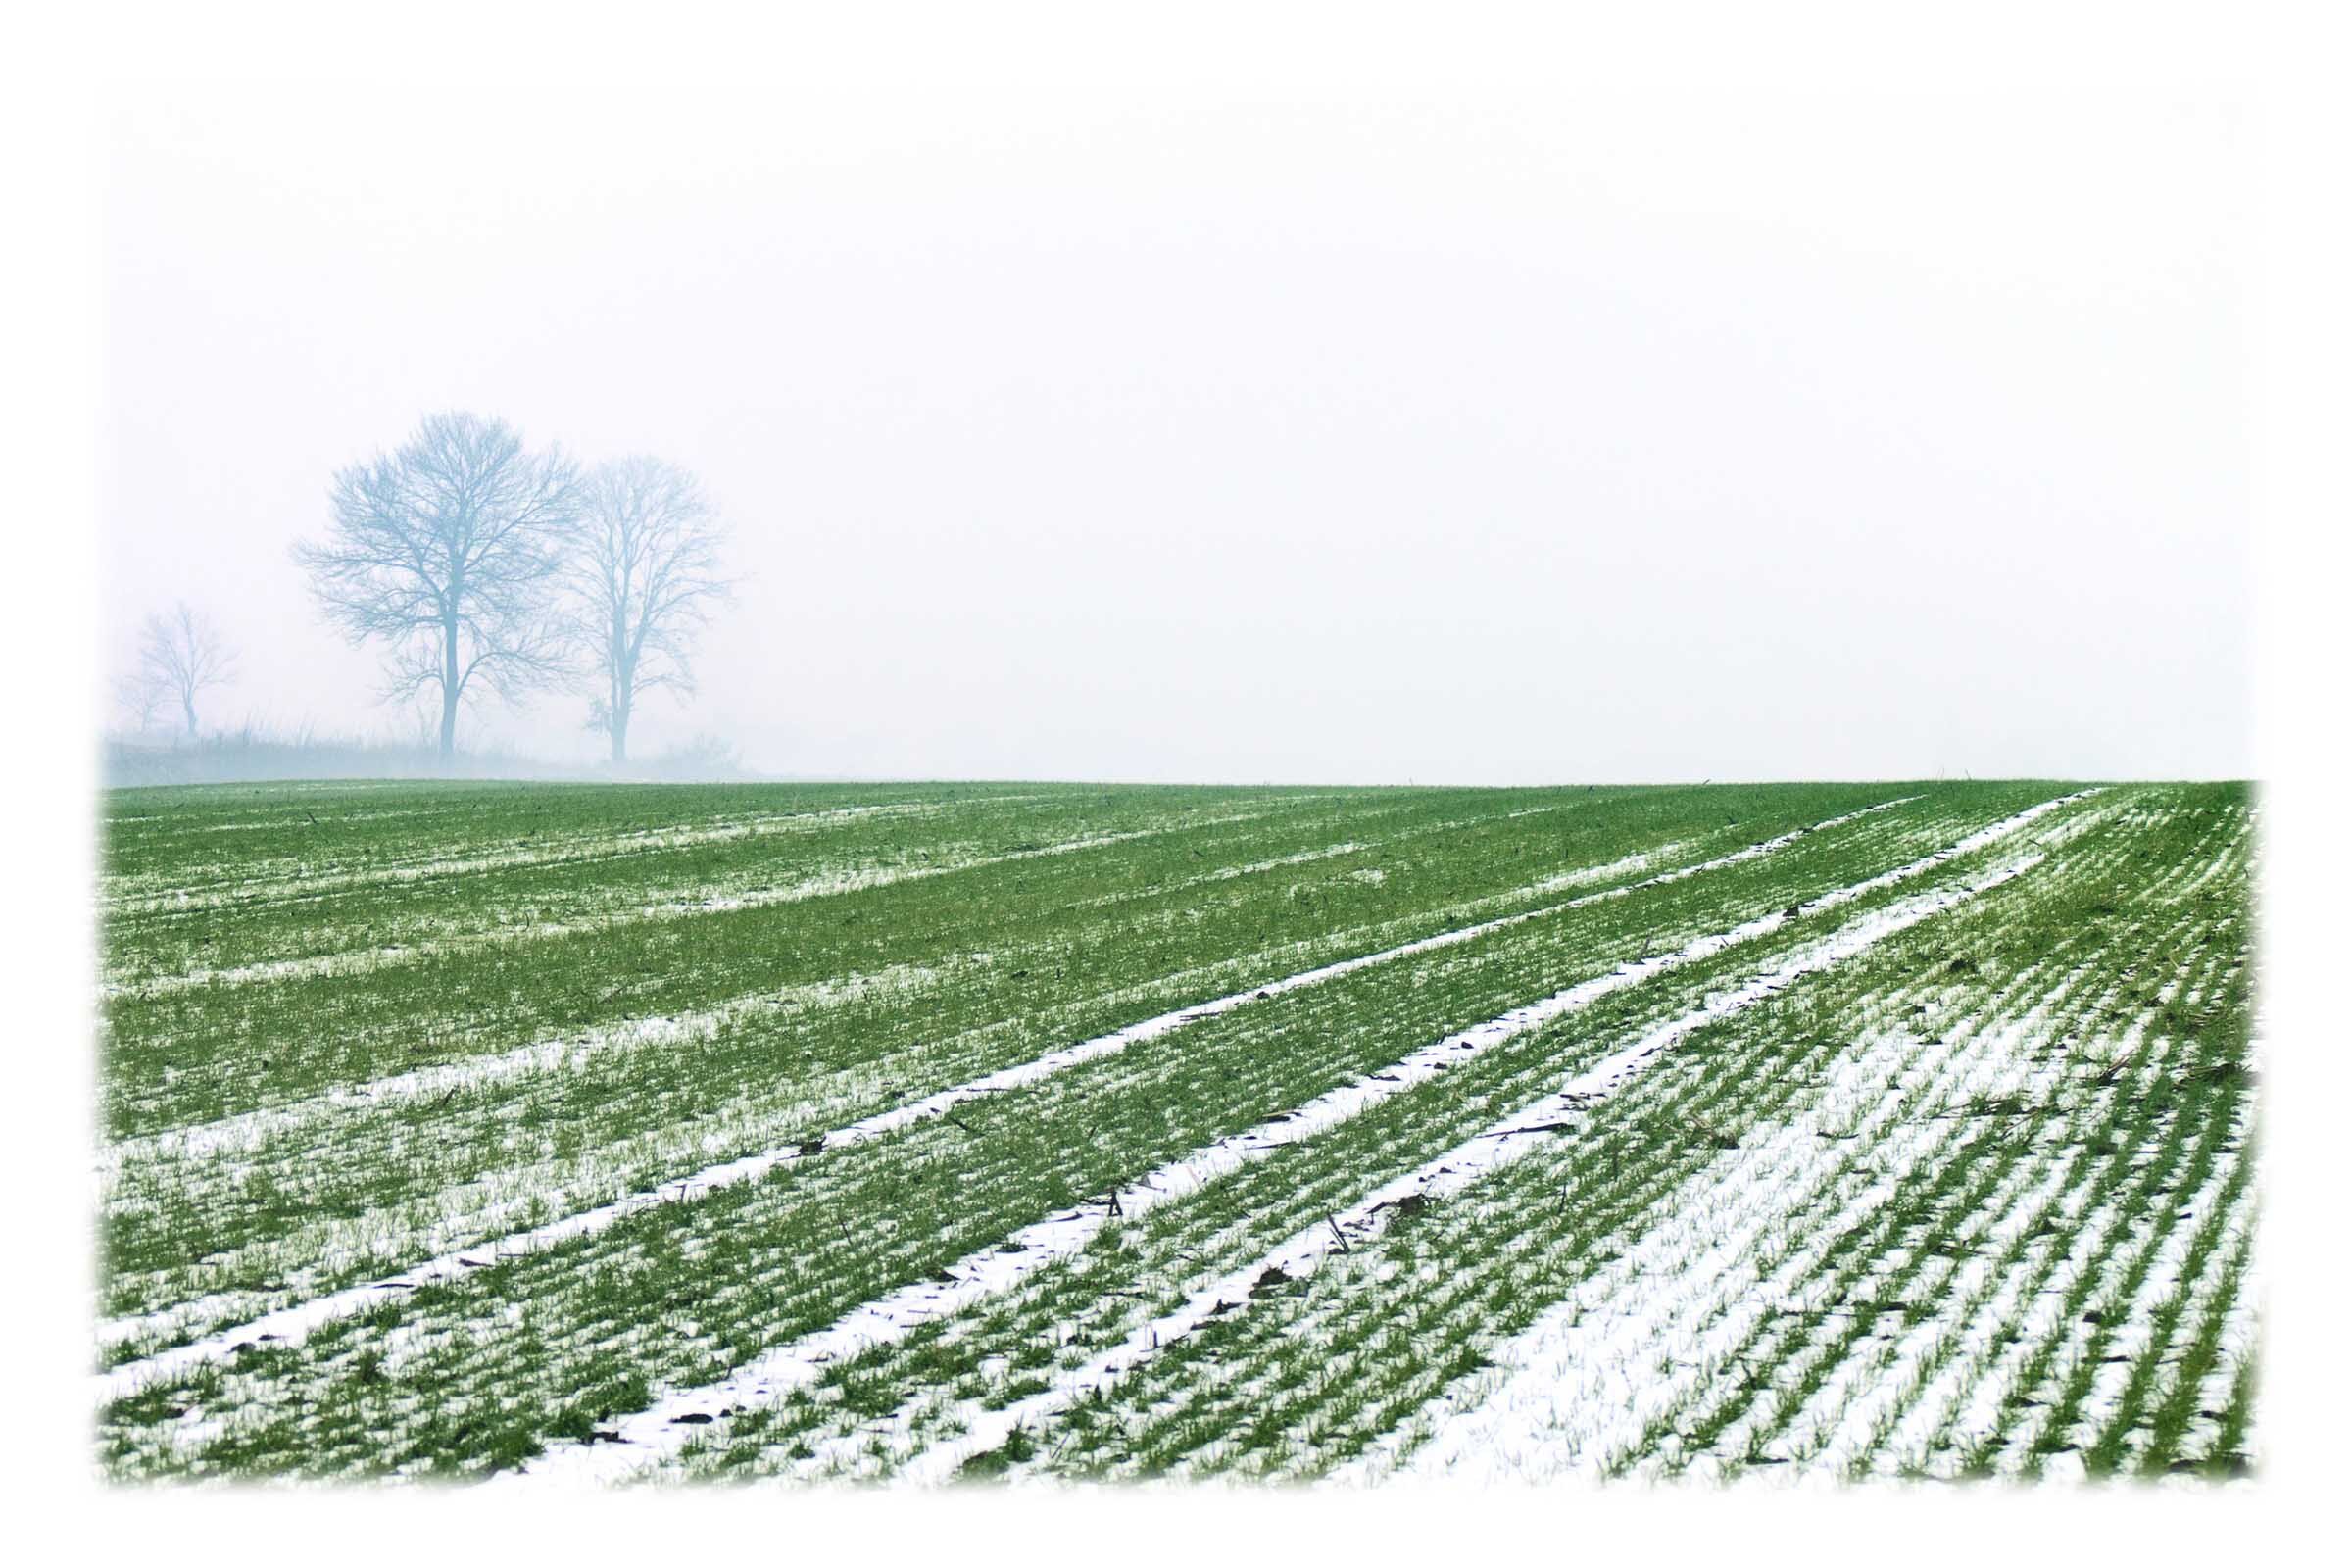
(644,578)
(140,697)
(447,551)
(181,654)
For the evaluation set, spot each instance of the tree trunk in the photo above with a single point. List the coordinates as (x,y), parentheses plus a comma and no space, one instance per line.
(623,689)
(188,706)
(449,689)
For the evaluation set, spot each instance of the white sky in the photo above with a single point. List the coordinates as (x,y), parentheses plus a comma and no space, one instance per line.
(1463,437)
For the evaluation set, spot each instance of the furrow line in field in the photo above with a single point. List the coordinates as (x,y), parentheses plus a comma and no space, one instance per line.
(1449,1173)
(1227,874)
(254,824)
(1625,866)
(293,1323)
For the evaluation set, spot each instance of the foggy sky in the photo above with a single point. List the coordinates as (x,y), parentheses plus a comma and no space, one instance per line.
(1460,438)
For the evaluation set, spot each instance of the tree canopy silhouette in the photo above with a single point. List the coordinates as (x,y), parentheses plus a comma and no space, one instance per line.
(447,551)
(644,577)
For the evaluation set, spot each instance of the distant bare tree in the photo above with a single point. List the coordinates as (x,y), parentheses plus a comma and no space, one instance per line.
(181,654)
(140,697)
(644,578)
(447,551)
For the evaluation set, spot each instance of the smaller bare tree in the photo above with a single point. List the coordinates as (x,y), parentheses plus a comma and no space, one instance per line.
(140,698)
(643,577)
(182,654)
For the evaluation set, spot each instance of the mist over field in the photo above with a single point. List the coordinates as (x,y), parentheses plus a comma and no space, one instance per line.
(1469,440)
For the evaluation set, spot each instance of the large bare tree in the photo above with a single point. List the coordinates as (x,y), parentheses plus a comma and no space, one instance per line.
(447,551)
(644,578)
(181,654)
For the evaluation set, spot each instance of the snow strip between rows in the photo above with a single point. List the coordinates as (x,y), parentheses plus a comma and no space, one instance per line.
(647,1437)
(291,1325)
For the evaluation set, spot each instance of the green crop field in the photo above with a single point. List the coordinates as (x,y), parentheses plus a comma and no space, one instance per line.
(544,1134)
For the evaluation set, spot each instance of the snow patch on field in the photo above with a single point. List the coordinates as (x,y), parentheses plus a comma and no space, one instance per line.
(1566,1396)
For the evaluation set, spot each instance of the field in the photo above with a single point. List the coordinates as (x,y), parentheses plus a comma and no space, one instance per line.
(548,1133)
